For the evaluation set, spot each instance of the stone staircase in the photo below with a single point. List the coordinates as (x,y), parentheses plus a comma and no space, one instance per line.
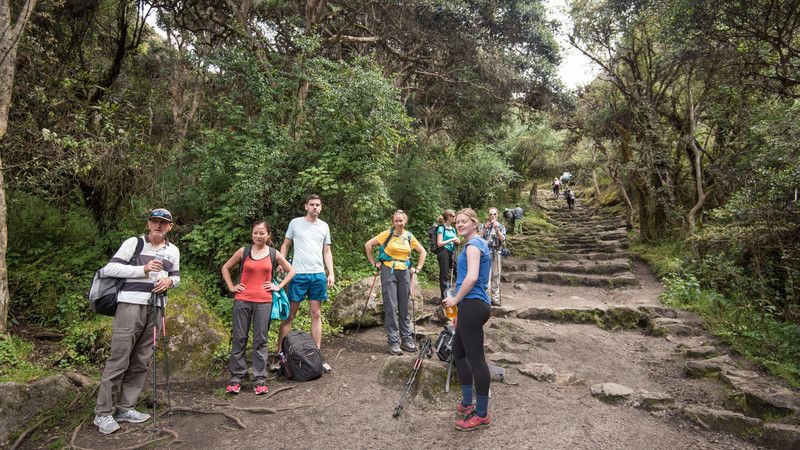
(587,248)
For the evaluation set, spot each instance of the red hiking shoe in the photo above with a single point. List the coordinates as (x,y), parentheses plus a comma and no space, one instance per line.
(233,388)
(261,389)
(464,411)
(473,422)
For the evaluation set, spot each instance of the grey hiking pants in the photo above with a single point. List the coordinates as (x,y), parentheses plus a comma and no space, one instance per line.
(131,352)
(243,314)
(494,277)
(396,289)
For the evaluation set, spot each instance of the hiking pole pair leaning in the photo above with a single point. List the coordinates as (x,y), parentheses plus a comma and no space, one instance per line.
(157,302)
(424,352)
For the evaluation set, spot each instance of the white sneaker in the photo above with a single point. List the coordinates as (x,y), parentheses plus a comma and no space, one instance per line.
(133,416)
(106,424)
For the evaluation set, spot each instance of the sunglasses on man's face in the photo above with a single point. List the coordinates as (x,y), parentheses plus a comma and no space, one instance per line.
(492,214)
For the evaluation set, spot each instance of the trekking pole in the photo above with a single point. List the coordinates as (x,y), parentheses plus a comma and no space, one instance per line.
(424,349)
(361,314)
(164,349)
(450,364)
(413,310)
(154,318)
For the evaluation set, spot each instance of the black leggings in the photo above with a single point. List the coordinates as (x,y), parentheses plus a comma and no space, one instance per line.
(446,264)
(468,344)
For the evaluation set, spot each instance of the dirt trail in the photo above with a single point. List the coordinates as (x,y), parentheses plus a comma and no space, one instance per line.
(585,312)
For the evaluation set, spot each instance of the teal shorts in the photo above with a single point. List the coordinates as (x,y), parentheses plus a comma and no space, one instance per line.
(313,286)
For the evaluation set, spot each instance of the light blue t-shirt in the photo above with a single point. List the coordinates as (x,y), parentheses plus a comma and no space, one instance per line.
(308,238)
(480,290)
(447,233)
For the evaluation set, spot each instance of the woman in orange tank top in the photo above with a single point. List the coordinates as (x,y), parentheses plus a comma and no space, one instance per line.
(253,304)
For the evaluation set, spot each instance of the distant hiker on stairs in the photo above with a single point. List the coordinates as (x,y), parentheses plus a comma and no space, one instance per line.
(556,187)
(446,241)
(494,233)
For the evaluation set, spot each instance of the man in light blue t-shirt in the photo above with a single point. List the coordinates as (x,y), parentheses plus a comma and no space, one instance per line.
(312,255)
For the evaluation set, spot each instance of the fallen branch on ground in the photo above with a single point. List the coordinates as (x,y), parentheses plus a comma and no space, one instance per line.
(25,434)
(276,391)
(185,409)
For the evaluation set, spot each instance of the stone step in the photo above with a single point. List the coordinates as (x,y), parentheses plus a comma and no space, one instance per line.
(571,279)
(605,316)
(607,267)
(593,248)
(597,256)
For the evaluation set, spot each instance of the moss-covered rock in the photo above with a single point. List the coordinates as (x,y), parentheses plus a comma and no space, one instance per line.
(429,383)
(348,304)
(195,335)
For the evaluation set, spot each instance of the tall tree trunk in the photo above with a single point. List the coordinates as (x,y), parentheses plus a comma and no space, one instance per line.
(697,159)
(595,183)
(12,32)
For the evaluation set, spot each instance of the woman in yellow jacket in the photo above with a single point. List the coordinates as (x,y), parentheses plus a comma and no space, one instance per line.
(394,263)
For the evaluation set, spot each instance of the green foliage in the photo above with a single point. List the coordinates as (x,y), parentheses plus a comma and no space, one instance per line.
(87,344)
(479,177)
(760,335)
(15,364)
(665,257)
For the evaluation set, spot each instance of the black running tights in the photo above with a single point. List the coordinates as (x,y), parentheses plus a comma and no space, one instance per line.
(468,344)
(446,265)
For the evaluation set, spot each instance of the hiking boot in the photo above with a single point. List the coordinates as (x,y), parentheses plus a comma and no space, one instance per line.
(464,411)
(261,389)
(394,349)
(409,346)
(473,422)
(132,416)
(106,424)
(233,388)
(495,302)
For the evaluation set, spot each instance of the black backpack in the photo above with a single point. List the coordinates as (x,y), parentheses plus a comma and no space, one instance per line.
(103,290)
(301,360)
(444,343)
(433,231)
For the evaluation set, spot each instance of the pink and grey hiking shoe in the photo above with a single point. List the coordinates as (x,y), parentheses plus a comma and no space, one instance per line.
(473,422)
(233,388)
(464,411)
(261,389)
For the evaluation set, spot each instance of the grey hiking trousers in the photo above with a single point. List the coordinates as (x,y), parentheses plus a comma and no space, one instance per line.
(396,289)
(131,352)
(244,313)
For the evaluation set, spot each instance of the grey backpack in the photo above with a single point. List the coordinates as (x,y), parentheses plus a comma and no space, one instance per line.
(103,290)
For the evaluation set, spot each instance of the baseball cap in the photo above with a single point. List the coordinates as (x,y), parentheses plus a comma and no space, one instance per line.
(160,213)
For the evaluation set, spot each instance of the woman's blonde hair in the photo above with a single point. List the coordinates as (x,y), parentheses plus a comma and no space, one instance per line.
(471,214)
(448,213)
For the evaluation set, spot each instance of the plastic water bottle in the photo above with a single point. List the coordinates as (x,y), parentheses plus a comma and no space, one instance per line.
(156,274)
(451,311)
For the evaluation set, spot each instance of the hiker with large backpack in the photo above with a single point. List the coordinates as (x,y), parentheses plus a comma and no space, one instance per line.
(494,233)
(253,303)
(444,246)
(472,299)
(394,263)
(149,266)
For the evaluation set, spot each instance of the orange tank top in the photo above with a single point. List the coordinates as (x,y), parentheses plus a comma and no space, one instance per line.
(256,272)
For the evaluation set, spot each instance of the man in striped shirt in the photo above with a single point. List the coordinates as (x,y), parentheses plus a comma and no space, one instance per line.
(153,271)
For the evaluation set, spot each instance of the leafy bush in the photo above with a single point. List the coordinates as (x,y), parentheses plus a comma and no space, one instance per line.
(14,361)
(87,344)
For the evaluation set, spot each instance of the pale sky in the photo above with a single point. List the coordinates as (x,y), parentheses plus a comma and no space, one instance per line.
(575,69)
